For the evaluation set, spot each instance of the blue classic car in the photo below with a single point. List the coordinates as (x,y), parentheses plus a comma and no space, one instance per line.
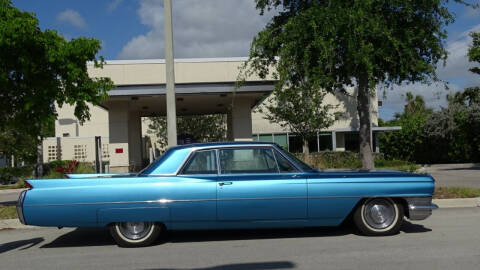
(227,185)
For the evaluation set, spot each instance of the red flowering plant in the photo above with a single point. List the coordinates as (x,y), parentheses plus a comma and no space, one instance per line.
(68,168)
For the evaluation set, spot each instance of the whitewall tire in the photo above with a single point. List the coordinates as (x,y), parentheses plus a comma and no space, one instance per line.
(379,216)
(135,234)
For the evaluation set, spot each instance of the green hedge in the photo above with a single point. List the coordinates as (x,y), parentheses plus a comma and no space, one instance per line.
(351,160)
(9,173)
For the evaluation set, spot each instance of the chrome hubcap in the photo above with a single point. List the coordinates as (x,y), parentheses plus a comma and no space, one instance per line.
(379,213)
(135,230)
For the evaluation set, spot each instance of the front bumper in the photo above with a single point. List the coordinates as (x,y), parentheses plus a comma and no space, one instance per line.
(420,208)
(21,198)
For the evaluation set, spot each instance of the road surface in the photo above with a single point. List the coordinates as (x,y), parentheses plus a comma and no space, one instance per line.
(447,240)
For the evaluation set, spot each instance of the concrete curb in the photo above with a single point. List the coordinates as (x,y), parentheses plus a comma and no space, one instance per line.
(442,203)
(453,203)
(14,224)
(12,191)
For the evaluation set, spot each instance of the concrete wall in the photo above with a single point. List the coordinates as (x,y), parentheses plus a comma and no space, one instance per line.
(347,106)
(73,148)
(144,72)
(67,123)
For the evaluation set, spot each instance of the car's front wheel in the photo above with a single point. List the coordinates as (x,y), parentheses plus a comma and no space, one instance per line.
(379,216)
(135,234)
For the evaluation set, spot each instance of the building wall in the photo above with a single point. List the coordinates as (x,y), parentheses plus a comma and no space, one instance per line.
(144,72)
(67,124)
(347,106)
(73,148)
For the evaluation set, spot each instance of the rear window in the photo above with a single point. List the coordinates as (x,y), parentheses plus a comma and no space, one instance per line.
(247,160)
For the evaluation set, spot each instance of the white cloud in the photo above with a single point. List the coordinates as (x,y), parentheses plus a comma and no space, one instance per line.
(457,65)
(72,17)
(113,5)
(455,72)
(202,28)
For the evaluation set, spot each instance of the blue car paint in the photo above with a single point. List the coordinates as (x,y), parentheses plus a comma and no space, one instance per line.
(161,194)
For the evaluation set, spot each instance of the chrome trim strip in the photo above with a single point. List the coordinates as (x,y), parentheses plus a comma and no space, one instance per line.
(165,201)
(423,207)
(19,207)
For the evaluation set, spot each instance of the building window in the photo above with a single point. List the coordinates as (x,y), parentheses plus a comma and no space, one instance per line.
(79,151)
(325,141)
(52,152)
(352,142)
(105,152)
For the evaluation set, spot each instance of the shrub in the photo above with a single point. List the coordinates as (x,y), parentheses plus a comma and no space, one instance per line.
(8,174)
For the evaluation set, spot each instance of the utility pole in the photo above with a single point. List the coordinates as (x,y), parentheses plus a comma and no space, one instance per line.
(170,75)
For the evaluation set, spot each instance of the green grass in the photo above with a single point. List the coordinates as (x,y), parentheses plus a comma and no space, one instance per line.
(456,192)
(399,165)
(8,212)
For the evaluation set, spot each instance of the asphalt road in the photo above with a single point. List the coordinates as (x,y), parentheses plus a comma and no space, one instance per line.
(447,240)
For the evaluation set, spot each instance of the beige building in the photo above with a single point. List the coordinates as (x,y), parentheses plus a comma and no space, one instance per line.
(203,86)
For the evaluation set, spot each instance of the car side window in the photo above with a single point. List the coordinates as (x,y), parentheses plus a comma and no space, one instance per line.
(247,160)
(283,164)
(202,162)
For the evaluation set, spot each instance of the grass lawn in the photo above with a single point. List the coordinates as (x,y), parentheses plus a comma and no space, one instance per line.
(456,192)
(8,212)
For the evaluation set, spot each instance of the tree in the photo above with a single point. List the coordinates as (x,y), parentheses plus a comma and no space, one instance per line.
(204,128)
(40,68)
(301,110)
(337,44)
(409,143)
(474,52)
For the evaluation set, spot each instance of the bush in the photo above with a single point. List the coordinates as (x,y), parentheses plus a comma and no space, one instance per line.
(58,168)
(333,159)
(9,174)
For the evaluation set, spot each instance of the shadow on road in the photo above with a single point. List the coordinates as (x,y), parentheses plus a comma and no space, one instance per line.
(474,168)
(408,227)
(25,244)
(101,237)
(82,237)
(228,235)
(238,266)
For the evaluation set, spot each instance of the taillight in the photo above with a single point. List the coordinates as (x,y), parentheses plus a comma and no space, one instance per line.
(29,186)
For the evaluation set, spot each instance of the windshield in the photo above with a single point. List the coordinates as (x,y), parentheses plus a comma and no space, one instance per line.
(304,166)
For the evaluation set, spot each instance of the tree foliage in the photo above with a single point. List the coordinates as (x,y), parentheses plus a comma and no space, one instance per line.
(410,142)
(300,110)
(203,128)
(449,135)
(40,68)
(337,44)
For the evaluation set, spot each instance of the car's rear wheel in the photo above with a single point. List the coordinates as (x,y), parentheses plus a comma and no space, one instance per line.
(379,216)
(135,234)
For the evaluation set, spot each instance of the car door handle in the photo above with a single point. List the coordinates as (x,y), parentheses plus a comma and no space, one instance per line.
(224,183)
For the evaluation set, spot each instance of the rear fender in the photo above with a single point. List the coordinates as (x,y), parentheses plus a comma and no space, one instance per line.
(106,216)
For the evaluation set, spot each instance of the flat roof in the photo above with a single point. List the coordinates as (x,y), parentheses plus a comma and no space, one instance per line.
(177,60)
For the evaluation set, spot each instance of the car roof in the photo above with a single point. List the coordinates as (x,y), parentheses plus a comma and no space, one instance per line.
(222,144)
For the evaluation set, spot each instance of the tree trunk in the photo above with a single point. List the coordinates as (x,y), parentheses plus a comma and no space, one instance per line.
(306,151)
(363,108)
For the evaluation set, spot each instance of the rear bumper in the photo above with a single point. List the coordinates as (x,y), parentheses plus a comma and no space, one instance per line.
(420,208)
(21,198)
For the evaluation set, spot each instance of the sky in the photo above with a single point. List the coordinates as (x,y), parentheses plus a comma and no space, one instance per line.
(133,29)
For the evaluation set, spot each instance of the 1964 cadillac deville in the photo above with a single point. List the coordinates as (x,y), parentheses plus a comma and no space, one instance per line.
(226,185)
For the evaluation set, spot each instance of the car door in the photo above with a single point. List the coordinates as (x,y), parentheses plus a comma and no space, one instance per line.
(252,187)
(194,192)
